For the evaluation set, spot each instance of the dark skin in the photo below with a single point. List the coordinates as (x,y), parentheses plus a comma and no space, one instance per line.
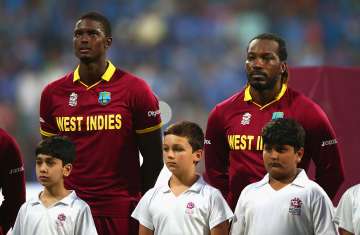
(90,46)
(264,70)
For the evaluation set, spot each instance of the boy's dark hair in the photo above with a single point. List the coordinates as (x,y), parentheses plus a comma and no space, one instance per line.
(284,131)
(189,130)
(58,147)
(99,18)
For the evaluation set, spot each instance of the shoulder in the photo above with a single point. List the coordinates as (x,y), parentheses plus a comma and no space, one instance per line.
(235,99)
(58,83)
(134,82)
(353,193)
(7,142)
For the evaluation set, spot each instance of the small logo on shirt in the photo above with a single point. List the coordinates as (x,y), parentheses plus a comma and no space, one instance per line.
(207,141)
(295,206)
(246,119)
(190,208)
(16,170)
(104,97)
(60,219)
(277,115)
(328,142)
(153,113)
(73,99)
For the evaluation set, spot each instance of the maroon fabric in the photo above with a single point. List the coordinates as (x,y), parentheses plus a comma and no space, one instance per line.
(336,90)
(116,226)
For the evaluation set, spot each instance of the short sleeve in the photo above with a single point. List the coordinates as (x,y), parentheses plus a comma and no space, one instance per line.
(85,223)
(47,125)
(344,216)
(239,222)
(141,213)
(220,210)
(146,109)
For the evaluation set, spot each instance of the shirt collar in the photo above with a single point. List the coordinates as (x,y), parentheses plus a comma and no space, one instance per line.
(196,187)
(247,95)
(66,200)
(300,180)
(106,76)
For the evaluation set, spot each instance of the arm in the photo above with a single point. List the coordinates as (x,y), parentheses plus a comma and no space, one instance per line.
(13,182)
(344,213)
(150,145)
(220,229)
(144,230)
(344,232)
(216,154)
(322,146)
(322,214)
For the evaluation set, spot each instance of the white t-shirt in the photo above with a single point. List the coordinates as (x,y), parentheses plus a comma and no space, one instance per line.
(347,214)
(69,216)
(300,208)
(195,211)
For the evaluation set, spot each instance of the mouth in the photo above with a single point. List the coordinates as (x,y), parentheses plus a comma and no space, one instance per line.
(258,75)
(84,50)
(170,164)
(275,165)
(41,177)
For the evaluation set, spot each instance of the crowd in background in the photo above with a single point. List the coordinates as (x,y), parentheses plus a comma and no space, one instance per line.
(190,52)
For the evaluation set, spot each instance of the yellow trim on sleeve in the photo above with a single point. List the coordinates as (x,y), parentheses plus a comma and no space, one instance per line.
(47,134)
(149,129)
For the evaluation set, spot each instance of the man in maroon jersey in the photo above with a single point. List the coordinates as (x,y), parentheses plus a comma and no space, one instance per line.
(12,181)
(110,115)
(233,150)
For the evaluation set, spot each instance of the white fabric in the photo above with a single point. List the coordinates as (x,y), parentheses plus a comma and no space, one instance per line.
(195,211)
(347,214)
(69,216)
(300,208)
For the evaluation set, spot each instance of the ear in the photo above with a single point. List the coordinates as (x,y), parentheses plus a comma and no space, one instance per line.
(197,155)
(283,67)
(300,154)
(67,169)
(108,42)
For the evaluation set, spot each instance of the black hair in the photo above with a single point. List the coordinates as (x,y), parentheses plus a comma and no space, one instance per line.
(58,147)
(189,130)
(284,131)
(99,18)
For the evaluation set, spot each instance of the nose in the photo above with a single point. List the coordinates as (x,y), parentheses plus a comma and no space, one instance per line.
(273,154)
(43,167)
(169,154)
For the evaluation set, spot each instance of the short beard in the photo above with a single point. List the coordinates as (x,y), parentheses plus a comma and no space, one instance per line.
(270,85)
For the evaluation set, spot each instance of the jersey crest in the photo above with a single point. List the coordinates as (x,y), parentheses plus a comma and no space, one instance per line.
(104,97)
(73,99)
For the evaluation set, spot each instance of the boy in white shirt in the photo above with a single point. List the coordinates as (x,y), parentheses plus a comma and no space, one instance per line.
(187,205)
(347,215)
(57,211)
(285,201)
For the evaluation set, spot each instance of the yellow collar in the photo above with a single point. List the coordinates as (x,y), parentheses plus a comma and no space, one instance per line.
(106,76)
(247,96)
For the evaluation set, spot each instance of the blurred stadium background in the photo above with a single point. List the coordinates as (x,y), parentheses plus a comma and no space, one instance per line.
(190,52)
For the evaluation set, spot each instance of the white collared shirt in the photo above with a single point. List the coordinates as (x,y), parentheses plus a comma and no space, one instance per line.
(69,216)
(347,214)
(299,208)
(195,211)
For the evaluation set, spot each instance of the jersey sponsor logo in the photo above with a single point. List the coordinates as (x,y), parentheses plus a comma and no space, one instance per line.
(207,141)
(190,208)
(89,123)
(104,97)
(153,113)
(295,206)
(245,142)
(328,142)
(16,170)
(73,99)
(277,115)
(246,119)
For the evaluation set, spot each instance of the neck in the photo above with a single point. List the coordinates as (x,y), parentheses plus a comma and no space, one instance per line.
(51,195)
(263,97)
(179,184)
(91,73)
(279,183)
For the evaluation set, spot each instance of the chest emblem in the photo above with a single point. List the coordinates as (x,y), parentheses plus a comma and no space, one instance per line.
(295,206)
(277,115)
(73,99)
(190,208)
(104,97)
(246,119)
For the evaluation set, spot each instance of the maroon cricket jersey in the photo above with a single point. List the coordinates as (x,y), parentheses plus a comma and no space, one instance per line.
(233,145)
(12,180)
(103,120)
